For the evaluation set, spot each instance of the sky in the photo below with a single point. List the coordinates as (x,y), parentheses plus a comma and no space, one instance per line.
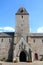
(8,8)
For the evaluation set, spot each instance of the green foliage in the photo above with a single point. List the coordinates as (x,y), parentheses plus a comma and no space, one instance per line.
(41,58)
(3,59)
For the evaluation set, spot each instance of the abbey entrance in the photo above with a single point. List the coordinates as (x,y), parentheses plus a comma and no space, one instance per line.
(22,57)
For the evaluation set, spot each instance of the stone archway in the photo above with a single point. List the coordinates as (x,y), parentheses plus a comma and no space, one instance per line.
(22,57)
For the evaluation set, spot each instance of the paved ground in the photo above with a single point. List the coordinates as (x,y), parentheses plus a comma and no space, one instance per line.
(22,63)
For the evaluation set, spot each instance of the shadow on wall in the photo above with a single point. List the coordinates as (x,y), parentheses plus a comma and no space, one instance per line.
(10,52)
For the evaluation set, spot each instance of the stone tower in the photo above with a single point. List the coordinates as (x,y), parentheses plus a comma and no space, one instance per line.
(21,33)
(22,25)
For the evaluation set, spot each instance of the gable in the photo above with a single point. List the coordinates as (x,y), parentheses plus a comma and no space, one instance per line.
(21,45)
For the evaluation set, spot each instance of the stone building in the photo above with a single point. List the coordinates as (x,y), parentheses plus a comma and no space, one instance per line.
(21,45)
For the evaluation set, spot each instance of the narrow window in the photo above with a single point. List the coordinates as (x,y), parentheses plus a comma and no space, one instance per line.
(42,40)
(9,40)
(1,40)
(27,39)
(34,40)
(22,16)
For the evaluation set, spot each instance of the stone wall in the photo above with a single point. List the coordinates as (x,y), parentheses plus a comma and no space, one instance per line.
(5,47)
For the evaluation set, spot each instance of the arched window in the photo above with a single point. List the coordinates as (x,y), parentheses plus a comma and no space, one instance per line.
(21,11)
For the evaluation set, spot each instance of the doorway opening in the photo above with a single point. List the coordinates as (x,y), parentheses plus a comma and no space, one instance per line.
(22,57)
(36,56)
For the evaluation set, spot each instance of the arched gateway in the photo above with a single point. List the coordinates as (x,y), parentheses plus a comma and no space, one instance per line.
(22,57)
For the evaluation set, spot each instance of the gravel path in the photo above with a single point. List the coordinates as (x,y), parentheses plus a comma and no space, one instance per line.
(22,63)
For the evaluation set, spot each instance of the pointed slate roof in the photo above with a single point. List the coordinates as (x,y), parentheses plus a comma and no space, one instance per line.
(22,10)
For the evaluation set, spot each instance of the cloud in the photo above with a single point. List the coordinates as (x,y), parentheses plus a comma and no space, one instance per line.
(7,29)
(40,30)
(1,31)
